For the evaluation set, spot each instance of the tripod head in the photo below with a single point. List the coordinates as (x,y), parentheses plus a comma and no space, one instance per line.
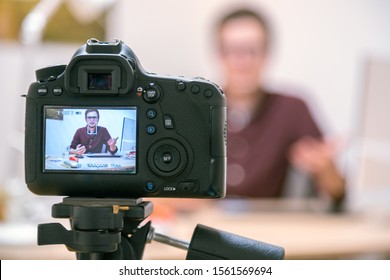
(114,229)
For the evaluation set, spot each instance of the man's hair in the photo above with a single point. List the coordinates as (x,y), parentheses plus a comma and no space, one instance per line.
(246,13)
(92,110)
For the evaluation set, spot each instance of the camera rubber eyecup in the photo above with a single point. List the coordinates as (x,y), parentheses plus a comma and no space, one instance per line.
(167,157)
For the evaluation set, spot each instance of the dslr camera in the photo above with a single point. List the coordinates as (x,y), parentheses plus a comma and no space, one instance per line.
(103,127)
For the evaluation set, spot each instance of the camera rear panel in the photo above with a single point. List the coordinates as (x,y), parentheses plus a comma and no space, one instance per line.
(171,131)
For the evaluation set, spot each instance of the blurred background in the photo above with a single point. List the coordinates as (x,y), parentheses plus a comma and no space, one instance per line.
(337,53)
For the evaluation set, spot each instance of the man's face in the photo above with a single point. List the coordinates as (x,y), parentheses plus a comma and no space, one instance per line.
(242,53)
(92,119)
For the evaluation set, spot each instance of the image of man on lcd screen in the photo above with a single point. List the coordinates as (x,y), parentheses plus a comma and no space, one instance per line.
(92,138)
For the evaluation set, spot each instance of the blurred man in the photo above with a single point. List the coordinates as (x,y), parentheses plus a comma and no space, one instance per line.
(268,132)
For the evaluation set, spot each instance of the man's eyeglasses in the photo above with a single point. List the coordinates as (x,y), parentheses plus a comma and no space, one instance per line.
(92,118)
(238,50)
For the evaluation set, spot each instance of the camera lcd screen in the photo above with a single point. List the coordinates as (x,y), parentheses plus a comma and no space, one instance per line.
(99,81)
(90,140)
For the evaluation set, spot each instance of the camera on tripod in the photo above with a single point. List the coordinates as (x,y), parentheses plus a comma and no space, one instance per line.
(105,133)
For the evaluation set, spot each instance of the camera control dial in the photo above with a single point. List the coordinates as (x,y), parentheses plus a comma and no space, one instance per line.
(167,157)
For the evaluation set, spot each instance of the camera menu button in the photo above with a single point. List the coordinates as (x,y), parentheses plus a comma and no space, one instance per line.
(42,90)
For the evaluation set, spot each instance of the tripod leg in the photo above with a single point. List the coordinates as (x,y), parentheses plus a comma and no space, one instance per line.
(133,247)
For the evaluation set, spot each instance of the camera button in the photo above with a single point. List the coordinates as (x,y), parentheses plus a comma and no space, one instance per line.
(186,186)
(42,90)
(151,129)
(151,95)
(181,86)
(167,158)
(58,91)
(150,186)
(208,93)
(151,114)
(168,122)
(195,89)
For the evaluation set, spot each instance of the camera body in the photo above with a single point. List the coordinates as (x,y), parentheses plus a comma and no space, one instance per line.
(102,126)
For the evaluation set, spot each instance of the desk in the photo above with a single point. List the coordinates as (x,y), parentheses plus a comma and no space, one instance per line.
(303,235)
(94,162)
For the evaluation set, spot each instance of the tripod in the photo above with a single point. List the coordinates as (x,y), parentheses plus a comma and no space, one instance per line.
(113,229)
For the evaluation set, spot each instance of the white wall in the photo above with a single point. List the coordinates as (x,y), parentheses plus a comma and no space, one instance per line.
(321,46)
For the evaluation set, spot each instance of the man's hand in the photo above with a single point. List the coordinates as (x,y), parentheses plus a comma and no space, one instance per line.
(317,157)
(312,155)
(112,144)
(79,150)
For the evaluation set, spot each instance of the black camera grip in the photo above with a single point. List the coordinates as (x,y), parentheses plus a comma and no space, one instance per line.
(218,133)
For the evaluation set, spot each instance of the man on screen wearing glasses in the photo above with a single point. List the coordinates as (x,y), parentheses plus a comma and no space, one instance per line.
(92,138)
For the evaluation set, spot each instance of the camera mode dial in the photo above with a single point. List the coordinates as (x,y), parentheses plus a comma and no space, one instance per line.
(167,157)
